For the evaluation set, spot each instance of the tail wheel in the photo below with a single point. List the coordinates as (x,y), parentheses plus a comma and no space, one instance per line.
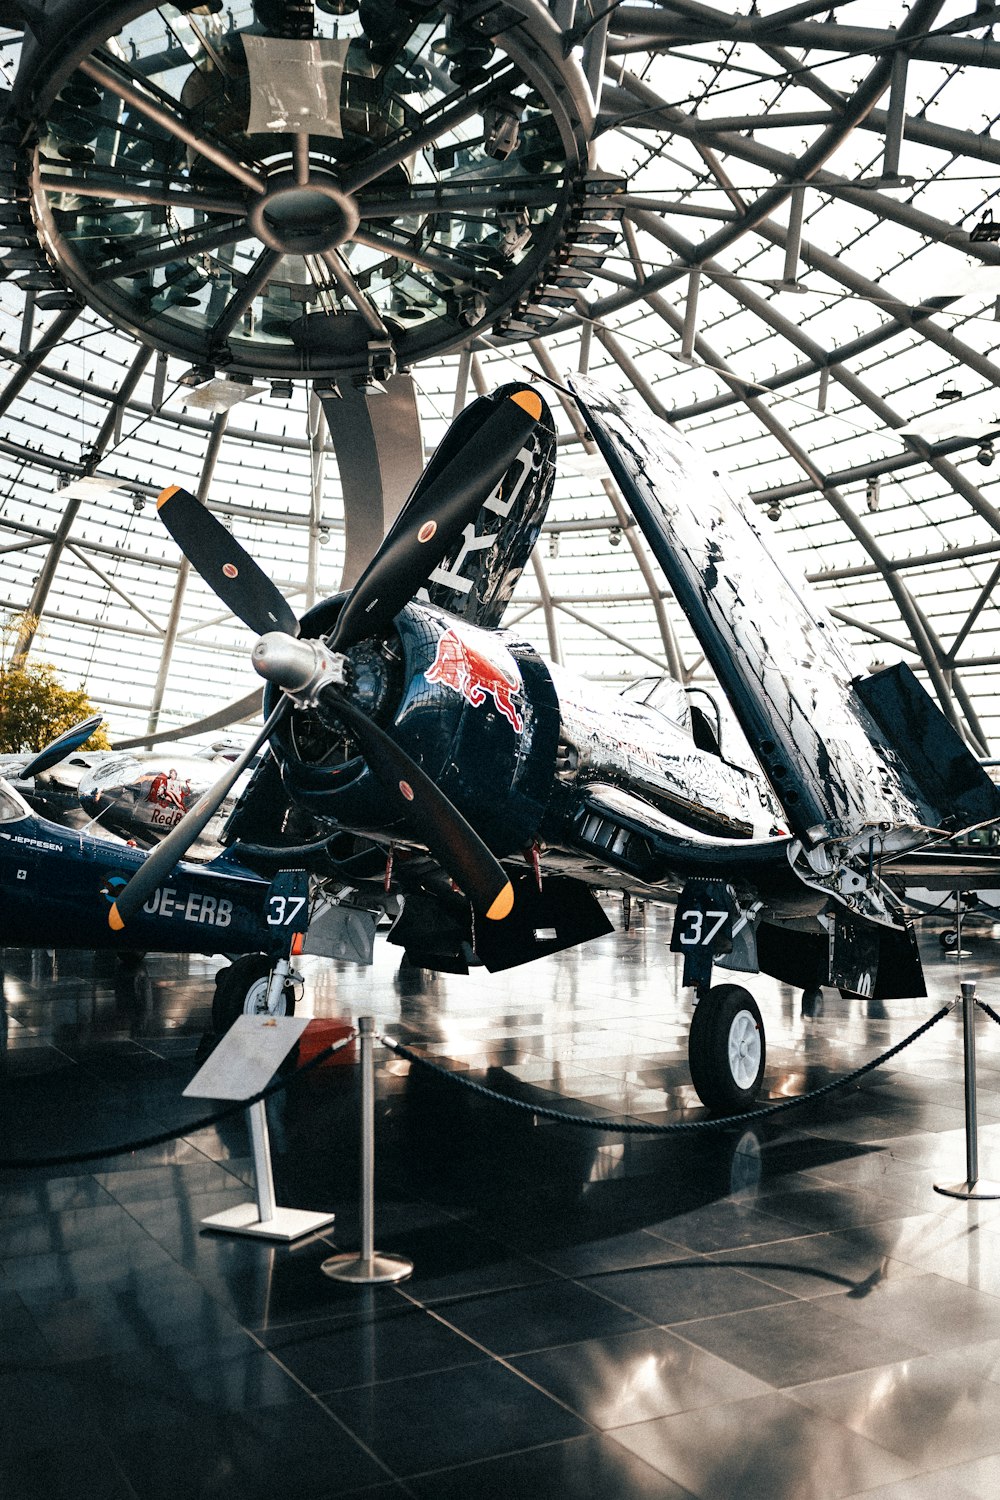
(726,1049)
(241,990)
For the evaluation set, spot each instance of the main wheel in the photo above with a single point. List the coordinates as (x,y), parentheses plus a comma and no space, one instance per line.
(726,1051)
(241,990)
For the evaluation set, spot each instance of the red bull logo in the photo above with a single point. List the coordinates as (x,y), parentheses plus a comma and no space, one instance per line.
(469,672)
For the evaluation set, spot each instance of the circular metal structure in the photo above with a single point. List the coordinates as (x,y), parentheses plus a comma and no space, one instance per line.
(290,189)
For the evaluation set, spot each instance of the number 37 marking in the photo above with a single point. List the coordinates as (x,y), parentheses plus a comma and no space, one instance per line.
(283,910)
(698,927)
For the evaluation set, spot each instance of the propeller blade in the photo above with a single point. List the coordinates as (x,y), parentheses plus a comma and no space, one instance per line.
(161,861)
(59,748)
(456,846)
(432,518)
(226,567)
(243,708)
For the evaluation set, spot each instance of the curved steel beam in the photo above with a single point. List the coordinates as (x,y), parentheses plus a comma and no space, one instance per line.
(638,28)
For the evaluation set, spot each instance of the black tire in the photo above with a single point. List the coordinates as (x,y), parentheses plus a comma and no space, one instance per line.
(241,990)
(726,1049)
(949,939)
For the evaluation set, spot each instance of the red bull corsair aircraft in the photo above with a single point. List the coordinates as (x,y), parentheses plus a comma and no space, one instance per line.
(418,749)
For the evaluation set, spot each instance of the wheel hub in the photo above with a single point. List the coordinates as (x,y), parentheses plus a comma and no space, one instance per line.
(744,1049)
(303,218)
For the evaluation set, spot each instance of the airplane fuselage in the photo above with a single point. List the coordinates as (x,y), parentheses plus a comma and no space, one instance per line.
(57,886)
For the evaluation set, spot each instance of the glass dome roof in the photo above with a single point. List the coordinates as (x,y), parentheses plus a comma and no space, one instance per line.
(775,227)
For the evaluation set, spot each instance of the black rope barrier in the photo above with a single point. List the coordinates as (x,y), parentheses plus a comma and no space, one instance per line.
(636,1127)
(23,1163)
(989,1011)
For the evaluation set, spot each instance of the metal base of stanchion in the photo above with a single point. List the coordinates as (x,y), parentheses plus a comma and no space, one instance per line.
(286,1224)
(958,953)
(367,1270)
(982,1188)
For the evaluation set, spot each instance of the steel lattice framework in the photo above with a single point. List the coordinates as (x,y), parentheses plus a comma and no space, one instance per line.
(775,227)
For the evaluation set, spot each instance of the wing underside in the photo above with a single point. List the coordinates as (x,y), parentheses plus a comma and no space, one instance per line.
(848,758)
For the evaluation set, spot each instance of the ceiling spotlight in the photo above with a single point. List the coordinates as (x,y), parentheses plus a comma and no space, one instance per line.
(948,393)
(615,536)
(872,489)
(501,127)
(987,231)
(985,456)
(323,537)
(774,511)
(138,503)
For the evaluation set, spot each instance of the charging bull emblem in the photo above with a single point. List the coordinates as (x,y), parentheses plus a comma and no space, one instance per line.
(469,672)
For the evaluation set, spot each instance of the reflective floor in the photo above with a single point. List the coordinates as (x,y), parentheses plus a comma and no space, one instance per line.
(786,1309)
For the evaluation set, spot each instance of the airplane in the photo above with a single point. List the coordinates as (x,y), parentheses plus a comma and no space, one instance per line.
(417,748)
(139,796)
(143,796)
(57,885)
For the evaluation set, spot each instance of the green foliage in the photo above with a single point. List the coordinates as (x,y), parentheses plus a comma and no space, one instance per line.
(34,705)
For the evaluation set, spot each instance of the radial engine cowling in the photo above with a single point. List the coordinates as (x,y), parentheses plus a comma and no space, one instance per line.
(477,712)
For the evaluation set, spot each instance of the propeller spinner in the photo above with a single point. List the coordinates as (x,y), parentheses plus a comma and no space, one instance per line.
(424,530)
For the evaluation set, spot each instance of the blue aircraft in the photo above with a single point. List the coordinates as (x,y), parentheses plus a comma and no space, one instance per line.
(57,886)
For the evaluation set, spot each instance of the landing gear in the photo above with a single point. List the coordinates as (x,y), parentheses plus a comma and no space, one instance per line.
(241,990)
(726,1050)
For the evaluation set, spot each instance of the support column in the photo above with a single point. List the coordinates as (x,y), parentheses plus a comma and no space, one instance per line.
(43,583)
(173,623)
(376,437)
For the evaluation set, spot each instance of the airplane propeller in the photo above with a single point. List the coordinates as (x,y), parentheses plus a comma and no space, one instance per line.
(424,530)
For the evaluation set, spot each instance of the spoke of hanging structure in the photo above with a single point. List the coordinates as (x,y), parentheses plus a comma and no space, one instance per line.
(443,265)
(341,273)
(193,242)
(127,193)
(254,282)
(437,123)
(171,122)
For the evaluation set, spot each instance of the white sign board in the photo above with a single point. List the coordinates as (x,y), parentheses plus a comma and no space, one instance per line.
(247,1058)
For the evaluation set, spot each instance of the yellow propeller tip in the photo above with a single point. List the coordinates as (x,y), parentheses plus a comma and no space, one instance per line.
(502,904)
(114,918)
(165,495)
(529,401)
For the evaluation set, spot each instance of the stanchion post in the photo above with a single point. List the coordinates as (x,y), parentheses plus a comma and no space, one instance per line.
(973,1186)
(371,1266)
(263,1177)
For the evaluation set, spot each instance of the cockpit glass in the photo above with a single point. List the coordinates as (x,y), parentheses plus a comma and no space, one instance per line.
(11,806)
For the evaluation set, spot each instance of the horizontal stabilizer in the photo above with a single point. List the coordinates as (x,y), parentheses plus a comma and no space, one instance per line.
(955,789)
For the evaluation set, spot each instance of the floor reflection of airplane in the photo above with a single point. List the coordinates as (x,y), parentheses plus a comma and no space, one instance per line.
(417,749)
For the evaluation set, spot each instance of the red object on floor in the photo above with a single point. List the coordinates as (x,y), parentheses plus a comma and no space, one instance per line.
(321,1034)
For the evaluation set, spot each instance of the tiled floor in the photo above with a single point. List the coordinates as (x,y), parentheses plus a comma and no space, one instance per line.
(785,1309)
